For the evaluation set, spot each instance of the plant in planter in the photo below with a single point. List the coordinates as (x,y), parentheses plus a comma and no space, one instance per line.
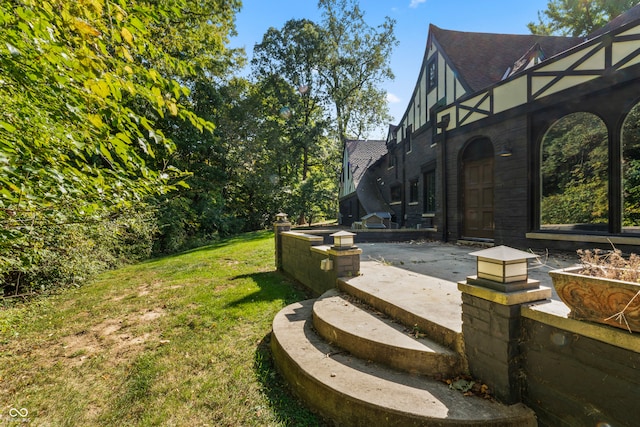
(604,288)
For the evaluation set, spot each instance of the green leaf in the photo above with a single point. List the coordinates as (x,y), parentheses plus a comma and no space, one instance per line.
(7,126)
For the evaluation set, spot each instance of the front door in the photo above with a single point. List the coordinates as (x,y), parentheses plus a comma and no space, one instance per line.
(478,192)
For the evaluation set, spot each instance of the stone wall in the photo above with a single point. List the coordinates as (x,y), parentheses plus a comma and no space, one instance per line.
(579,373)
(528,349)
(306,258)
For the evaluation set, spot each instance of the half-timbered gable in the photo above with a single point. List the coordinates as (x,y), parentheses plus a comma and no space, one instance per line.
(458,63)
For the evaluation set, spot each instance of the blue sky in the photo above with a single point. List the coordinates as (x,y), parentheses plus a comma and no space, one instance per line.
(412,24)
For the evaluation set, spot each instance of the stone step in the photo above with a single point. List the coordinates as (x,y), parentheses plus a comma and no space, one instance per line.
(354,392)
(431,305)
(348,324)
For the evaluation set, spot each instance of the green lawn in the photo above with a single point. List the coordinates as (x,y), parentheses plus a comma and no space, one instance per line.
(177,341)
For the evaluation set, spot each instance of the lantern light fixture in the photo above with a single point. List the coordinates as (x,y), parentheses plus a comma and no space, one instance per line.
(342,240)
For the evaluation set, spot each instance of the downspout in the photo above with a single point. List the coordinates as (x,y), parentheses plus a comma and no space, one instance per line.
(442,125)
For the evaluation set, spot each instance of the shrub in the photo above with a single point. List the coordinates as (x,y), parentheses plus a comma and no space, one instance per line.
(59,255)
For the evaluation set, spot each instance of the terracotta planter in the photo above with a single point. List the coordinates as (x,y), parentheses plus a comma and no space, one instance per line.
(597,299)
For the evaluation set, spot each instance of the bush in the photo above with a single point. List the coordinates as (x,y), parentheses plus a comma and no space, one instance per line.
(60,255)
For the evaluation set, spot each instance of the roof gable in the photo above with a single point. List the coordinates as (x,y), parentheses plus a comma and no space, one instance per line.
(481,59)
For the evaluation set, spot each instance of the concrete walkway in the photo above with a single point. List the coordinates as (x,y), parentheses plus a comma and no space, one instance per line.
(451,262)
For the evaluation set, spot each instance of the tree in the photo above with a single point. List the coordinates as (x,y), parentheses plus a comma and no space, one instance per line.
(326,78)
(357,61)
(577,18)
(84,87)
(286,65)
(292,56)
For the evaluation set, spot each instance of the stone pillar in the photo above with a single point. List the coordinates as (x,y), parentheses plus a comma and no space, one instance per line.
(281,225)
(491,328)
(346,263)
(344,255)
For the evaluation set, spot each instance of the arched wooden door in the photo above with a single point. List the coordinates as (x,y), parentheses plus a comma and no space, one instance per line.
(477,191)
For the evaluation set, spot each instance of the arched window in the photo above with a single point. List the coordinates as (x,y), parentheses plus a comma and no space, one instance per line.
(574,174)
(631,171)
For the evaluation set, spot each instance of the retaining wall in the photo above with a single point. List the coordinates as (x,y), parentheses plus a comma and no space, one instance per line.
(308,260)
(525,346)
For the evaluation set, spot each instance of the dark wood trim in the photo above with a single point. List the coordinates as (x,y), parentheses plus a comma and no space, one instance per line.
(475,109)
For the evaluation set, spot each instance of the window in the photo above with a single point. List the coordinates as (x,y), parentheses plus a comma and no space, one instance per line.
(429,183)
(631,171)
(407,141)
(413,191)
(575,175)
(396,193)
(392,160)
(432,73)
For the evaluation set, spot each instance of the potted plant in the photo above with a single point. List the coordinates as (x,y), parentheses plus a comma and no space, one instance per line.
(604,288)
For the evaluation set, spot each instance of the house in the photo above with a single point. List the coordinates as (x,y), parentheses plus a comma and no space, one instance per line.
(522,140)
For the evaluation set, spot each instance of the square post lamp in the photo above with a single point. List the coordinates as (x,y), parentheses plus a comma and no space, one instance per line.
(503,269)
(342,240)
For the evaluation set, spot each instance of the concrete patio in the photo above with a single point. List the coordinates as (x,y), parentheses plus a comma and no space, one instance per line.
(451,263)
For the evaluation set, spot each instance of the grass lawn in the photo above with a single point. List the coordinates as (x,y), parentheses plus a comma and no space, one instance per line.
(177,341)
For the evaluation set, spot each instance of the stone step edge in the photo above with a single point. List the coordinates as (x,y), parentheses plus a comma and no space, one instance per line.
(353,392)
(379,339)
(434,331)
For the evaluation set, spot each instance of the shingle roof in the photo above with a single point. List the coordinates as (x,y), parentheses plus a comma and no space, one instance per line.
(363,154)
(481,59)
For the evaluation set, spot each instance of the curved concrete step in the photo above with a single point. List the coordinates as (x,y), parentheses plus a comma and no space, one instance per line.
(353,392)
(431,304)
(379,339)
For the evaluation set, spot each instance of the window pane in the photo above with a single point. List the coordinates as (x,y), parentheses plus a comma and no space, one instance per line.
(413,191)
(574,174)
(430,192)
(631,171)
(396,194)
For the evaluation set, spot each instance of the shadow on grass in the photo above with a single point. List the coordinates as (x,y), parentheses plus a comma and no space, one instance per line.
(272,286)
(286,407)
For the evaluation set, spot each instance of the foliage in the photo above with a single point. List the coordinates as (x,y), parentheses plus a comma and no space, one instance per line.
(574,171)
(69,254)
(577,18)
(631,167)
(357,61)
(584,201)
(86,88)
(182,340)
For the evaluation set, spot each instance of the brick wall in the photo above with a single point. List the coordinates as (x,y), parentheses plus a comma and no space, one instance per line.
(575,377)
(528,349)
(302,255)
(491,339)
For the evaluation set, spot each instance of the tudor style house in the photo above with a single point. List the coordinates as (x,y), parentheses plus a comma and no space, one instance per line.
(524,140)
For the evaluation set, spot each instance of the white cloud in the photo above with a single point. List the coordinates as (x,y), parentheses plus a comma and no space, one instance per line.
(416,3)
(391,98)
